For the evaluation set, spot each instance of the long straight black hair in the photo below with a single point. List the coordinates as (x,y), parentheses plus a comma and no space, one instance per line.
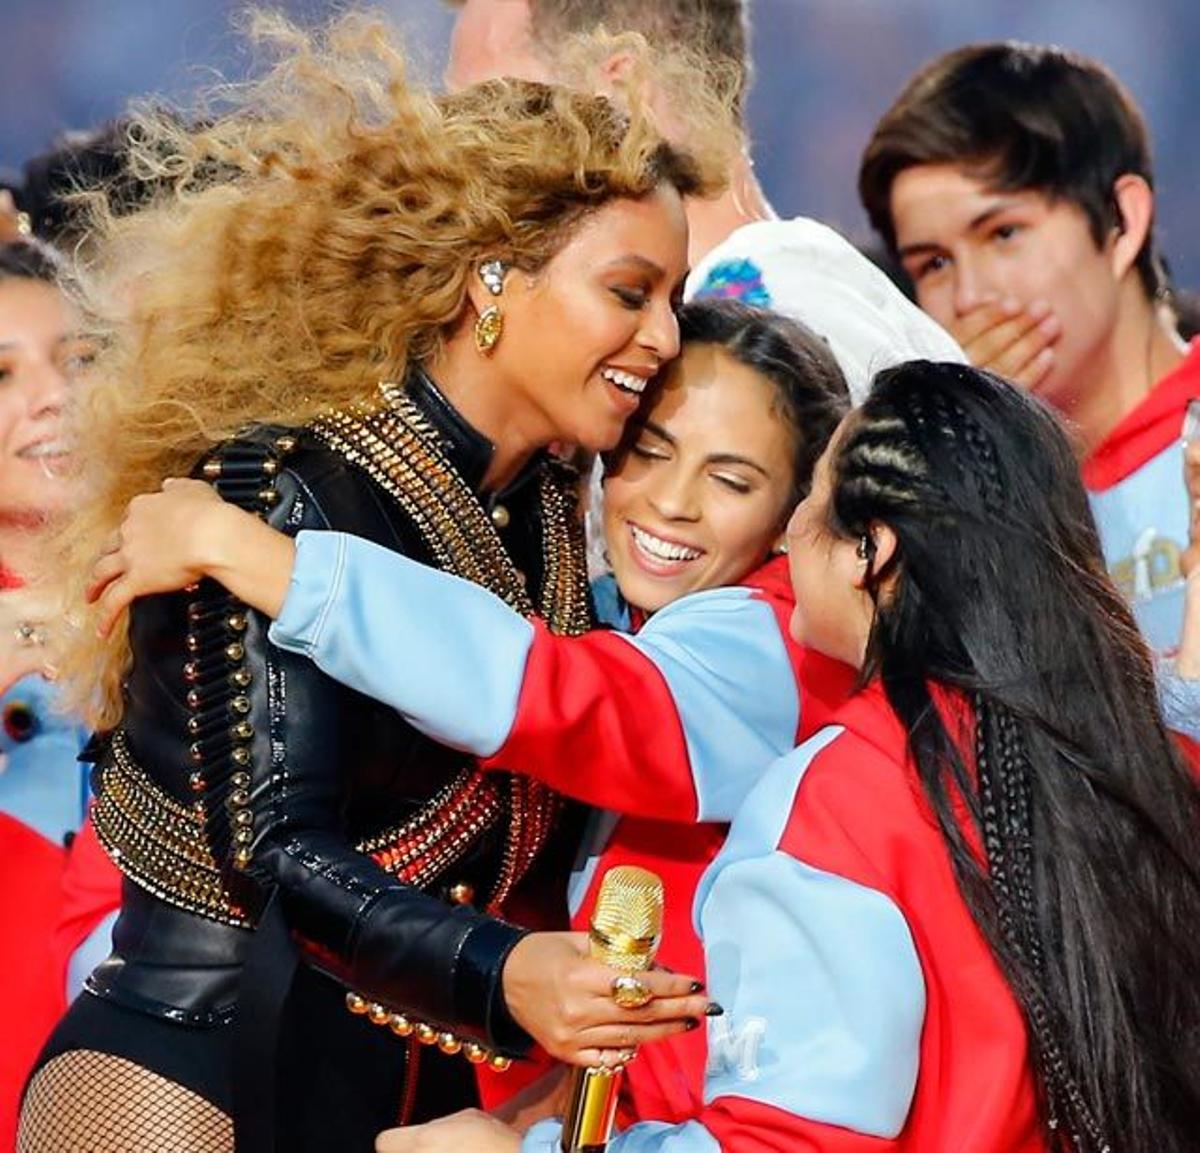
(1086,885)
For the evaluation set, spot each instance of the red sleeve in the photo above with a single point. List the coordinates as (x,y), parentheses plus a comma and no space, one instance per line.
(617,724)
(1191,750)
(596,721)
(91,890)
(32,996)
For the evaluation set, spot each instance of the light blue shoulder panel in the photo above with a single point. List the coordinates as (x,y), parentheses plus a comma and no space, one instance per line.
(1180,699)
(822,986)
(725,661)
(447,654)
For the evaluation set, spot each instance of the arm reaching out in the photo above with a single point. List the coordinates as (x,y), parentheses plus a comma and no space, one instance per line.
(455,967)
(674,723)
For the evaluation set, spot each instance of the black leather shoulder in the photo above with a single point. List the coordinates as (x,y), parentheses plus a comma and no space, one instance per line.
(312,486)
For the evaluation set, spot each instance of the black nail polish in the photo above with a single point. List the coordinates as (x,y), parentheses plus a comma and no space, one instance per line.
(714,1010)
(692,1023)
(696,987)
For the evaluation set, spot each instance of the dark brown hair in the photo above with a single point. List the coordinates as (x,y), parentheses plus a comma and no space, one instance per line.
(30,259)
(1018,116)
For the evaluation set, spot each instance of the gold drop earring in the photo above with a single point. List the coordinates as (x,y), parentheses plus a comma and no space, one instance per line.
(490,325)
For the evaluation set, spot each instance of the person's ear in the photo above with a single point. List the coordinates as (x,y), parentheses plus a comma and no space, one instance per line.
(874,551)
(1133,199)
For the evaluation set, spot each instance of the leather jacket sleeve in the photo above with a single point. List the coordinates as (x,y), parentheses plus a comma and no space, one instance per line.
(386,940)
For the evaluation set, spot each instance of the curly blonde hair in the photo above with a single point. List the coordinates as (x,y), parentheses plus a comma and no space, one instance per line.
(314,237)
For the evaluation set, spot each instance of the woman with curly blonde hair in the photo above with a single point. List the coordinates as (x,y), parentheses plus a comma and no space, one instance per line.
(311,944)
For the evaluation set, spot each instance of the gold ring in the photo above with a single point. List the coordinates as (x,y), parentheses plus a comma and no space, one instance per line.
(630,992)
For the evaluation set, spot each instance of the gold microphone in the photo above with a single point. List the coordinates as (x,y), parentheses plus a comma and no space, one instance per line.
(624,934)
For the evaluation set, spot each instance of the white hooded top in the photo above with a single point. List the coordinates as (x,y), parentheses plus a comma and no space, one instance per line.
(809,272)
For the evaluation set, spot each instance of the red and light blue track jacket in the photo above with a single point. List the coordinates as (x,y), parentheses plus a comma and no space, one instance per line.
(863,1009)
(1136,487)
(673,725)
(675,722)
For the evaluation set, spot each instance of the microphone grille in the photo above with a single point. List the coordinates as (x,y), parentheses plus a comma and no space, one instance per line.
(627,921)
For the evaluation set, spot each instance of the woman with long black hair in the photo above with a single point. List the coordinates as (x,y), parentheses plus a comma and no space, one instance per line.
(962,916)
(987,627)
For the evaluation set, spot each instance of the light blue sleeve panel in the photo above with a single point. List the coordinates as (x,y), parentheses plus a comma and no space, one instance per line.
(647,1137)
(1180,698)
(611,608)
(597,832)
(726,664)
(448,655)
(822,986)
(760,822)
(823,994)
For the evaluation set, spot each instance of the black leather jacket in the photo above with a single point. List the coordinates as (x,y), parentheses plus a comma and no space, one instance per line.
(329,767)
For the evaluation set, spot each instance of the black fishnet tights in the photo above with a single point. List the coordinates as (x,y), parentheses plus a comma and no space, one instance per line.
(89,1102)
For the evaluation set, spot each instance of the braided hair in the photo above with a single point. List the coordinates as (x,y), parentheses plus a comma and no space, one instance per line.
(1076,855)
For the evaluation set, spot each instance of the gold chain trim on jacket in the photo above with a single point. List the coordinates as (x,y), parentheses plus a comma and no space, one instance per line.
(167,847)
(158,842)
(398,449)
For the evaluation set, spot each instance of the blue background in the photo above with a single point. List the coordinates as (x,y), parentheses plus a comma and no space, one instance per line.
(825,70)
